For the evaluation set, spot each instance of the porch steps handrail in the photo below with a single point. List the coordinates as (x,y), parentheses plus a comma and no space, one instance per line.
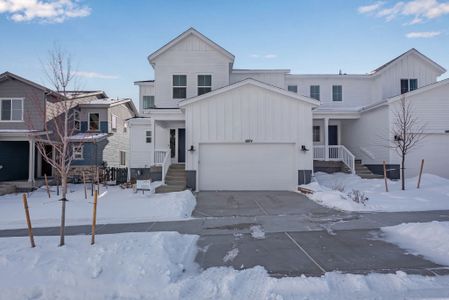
(165,165)
(335,153)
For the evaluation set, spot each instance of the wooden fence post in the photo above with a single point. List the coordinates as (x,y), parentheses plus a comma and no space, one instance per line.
(420,173)
(27,214)
(94,218)
(385,177)
(85,188)
(46,184)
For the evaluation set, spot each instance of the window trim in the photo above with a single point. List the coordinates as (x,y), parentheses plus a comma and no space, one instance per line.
(178,86)
(203,86)
(341,93)
(319,133)
(120,157)
(80,151)
(143,102)
(150,136)
(292,85)
(11,99)
(88,121)
(114,117)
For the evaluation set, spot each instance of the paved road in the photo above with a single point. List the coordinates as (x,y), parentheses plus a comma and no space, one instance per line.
(301,237)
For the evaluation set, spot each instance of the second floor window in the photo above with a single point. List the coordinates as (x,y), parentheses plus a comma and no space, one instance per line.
(315,92)
(292,88)
(179,86)
(408,85)
(337,93)
(94,121)
(11,110)
(76,120)
(204,84)
(148,102)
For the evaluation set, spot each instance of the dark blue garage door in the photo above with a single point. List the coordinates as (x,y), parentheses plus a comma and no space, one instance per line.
(14,160)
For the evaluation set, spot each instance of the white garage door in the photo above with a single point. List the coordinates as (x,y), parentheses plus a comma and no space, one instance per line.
(434,149)
(247,167)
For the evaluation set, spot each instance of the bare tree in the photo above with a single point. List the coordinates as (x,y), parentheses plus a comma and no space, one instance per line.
(59,123)
(406,132)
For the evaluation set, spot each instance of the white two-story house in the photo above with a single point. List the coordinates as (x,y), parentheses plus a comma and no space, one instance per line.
(240,129)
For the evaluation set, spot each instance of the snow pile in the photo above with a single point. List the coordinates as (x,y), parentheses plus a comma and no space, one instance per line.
(257,232)
(115,205)
(333,190)
(160,266)
(430,240)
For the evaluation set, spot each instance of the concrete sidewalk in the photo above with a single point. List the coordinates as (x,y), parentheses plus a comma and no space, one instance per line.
(301,237)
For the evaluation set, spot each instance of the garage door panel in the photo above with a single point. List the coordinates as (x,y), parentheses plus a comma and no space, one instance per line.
(246,167)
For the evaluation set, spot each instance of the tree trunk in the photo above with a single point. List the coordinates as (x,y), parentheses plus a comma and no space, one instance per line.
(63,200)
(403,172)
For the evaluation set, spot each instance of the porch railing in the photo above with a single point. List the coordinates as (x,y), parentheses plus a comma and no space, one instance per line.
(162,158)
(335,153)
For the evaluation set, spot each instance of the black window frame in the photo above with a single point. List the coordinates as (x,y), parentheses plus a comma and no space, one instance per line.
(179,82)
(314,94)
(148,136)
(316,127)
(204,86)
(90,122)
(292,88)
(149,98)
(337,96)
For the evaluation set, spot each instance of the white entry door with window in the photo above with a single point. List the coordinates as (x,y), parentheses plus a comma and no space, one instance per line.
(247,166)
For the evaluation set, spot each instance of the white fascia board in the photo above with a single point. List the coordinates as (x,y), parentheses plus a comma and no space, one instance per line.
(174,114)
(419,91)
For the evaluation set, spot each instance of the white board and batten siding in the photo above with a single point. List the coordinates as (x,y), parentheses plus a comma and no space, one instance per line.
(431,109)
(276,126)
(141,152)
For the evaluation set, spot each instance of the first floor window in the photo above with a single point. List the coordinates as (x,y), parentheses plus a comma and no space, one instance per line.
(94,121)
(123,158)
(292,88)
(148,102)
(179,86)
(78,152)
(149,136)
(316,133)
(11,110)
(315,92)
(337,93)
(76,119)
(204,84)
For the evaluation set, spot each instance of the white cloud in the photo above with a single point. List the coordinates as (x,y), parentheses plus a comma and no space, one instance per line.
(52,11)
(94,75)
(267,56)
(422,34)
(419,10)
(370,8)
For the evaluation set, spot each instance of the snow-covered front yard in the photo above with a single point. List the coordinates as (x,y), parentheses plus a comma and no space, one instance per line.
(115,205)
(161,266)
(430,240)
(332,190)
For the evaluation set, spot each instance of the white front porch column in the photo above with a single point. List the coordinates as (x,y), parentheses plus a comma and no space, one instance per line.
(31,161)
(326,139)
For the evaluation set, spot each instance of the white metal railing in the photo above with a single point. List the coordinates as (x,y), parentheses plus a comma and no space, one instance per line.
(335,153)
(162,158)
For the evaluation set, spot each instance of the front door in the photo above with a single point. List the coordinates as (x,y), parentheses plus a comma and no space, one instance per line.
(333,135)
(181,145)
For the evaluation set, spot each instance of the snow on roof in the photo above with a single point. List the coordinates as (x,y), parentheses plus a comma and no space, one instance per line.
(87,137)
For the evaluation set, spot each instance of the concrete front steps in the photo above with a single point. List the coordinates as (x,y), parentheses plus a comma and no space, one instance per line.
(364,172)
(175,180)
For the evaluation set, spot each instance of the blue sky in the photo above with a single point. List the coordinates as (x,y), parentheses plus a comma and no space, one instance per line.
(110,40)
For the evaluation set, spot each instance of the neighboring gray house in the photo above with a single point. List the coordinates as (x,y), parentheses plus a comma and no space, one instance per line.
(103,131)
(23,113)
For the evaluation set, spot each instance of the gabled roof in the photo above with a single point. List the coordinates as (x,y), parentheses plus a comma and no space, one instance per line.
(6,75)
(109,102)
(250,81)
(188,32)
(409,52)
(81,94)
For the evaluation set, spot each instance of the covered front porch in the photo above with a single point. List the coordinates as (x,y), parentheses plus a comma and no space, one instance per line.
(329,139)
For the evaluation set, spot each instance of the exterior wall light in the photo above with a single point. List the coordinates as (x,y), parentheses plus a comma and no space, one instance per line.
(192,148)
(304,148)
